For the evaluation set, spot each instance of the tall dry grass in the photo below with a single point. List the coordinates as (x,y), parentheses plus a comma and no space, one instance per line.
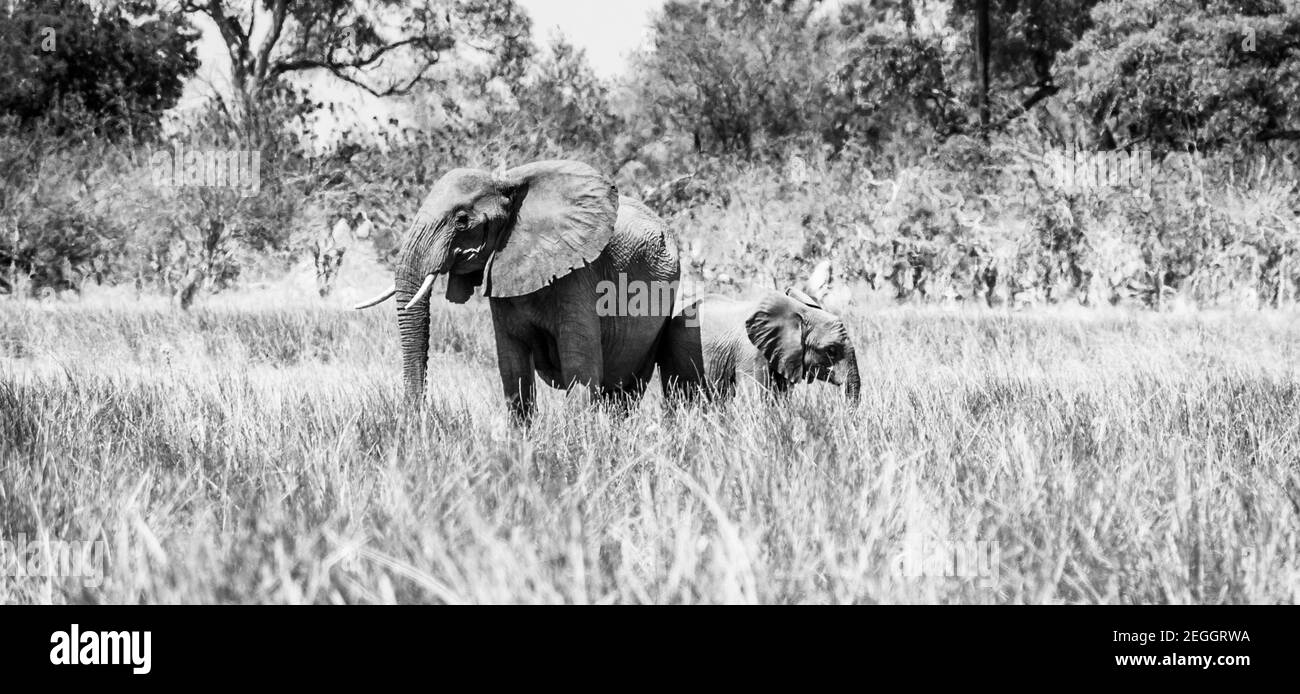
(263,455)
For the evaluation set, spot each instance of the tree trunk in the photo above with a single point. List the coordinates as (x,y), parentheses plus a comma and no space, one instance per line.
(982,59)
(189,288)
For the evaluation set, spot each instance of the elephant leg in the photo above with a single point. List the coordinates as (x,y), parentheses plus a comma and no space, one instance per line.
(580,362)
(679,391)
(669,380)
(680,384)
(578,340)
(626,396)
(515,363)
(628,393)
(778,388)
(680,356)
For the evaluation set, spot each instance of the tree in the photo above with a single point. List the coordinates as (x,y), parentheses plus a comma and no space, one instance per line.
(1015,46)
(982,58)
(120,65)
(385,47)
(565,101)
(730,70)
(1182,74)
(889,76)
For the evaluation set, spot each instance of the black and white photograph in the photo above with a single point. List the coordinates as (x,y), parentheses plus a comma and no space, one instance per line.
(655,302)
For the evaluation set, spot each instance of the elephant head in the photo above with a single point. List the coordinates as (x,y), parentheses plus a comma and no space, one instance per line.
(802,342)
(513,233)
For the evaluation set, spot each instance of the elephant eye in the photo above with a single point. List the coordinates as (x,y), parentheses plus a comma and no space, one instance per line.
(462,220)
(833,352)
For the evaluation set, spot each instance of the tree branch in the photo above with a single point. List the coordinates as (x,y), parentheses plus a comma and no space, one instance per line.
(1044,91)
(232,34)
(277,25)
(340,71)
(253,67)
(1271,135)
(334,66)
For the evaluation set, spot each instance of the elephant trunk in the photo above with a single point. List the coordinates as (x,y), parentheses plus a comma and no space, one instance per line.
(413,325)
(413,267)
(852,382)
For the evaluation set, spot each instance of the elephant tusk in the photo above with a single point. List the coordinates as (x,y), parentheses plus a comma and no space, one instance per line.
(422,293)
(378,299)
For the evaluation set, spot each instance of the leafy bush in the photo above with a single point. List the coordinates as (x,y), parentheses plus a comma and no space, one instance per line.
(972,222)
(124,63)
(1181,74)
(61,215)
(564,101)
(731,71)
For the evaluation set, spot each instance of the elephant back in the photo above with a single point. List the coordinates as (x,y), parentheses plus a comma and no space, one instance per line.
(642,246)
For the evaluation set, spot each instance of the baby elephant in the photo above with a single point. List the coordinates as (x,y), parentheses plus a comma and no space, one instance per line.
(776,339)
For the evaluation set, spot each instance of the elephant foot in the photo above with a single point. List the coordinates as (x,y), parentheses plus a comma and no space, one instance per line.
(623,399)
(521,418)
(521,411)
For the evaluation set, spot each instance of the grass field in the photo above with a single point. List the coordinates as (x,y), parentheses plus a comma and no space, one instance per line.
(263,455)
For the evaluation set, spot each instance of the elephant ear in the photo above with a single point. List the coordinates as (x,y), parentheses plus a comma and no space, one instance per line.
(563,219)
(777,329)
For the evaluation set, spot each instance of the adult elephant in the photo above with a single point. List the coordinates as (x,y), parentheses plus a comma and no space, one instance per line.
(774,339)
(545,241)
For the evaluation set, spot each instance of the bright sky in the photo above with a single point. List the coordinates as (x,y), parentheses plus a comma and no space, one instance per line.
(607,29)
